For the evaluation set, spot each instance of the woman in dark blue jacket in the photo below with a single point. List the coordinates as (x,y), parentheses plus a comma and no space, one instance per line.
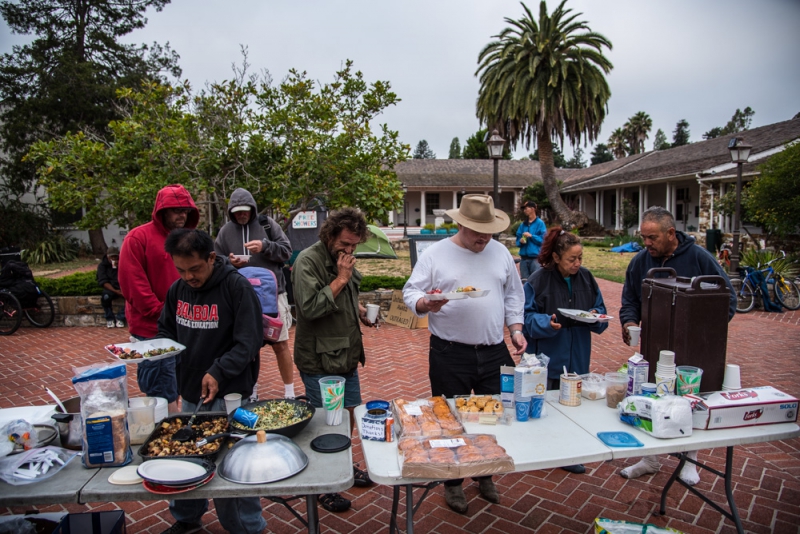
(562,283)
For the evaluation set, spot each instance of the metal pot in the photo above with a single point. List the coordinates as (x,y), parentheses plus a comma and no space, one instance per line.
(70,424)
(302,406)
(262,459)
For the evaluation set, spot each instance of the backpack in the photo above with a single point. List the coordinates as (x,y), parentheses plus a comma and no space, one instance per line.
(266,288)
(17,278)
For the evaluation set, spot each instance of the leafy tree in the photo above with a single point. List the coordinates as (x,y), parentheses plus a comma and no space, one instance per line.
(680,136)
(713,133)
(558,157)
(660,141)
(455,149)
(601,154)
(65,79)
(423,151)
(618,143)
(577,161)
(629,214)
(292,145)
(773,199)
(542,80)
(636,131)
(796,115)
(476,148)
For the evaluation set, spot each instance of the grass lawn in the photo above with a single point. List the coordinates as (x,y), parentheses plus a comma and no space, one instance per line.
(602,264)
(606,265)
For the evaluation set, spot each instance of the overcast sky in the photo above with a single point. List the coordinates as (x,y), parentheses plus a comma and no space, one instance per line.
(676,59)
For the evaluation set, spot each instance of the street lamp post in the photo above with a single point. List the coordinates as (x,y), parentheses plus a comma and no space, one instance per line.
(740,151)
(496,143)
(405,212)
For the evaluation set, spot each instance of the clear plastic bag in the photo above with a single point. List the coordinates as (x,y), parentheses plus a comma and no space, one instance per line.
(20,433)
(104,409)
(34,465)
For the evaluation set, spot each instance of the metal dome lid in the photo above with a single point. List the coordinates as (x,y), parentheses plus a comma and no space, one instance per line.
(261,459)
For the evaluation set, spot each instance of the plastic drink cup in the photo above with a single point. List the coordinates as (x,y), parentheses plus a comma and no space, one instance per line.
(732,378)
(523,408)
(232,401)
(688,379)
(332,389)
(665,383)
(634,331)
(141,418)
(666,358)
(372,312)
(649,388)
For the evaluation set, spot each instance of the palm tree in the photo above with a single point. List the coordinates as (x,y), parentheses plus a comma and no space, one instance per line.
(638,127)
(542,80)
(618,143)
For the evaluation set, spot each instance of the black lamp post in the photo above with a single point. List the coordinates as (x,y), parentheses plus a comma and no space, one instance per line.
(405,212)
(496,143)
(740,151)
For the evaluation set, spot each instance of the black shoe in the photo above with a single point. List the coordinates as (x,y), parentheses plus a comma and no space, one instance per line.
(333,502)
(360,477)
(578,469)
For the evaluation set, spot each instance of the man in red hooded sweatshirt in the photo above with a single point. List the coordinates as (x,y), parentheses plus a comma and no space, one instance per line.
(146,273)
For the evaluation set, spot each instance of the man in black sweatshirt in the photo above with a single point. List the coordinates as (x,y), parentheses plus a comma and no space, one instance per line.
(215,313)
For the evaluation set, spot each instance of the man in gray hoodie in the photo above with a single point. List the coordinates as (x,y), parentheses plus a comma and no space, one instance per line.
(264,245)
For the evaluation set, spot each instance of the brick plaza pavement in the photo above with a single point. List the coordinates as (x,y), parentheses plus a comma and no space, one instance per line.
(766,476)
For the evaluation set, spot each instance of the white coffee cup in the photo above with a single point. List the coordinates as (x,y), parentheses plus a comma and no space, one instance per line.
(232,401)
(634,332)
(372,312)
(733,378)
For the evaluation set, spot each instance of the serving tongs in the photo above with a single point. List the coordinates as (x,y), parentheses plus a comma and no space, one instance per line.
(187,432)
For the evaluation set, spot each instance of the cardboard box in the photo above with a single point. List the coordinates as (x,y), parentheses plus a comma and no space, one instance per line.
(400,315)
(744,407)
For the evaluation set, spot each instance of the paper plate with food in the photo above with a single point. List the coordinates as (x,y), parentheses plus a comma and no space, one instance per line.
(437,294)
(585,316)
(472,291)
(152,349)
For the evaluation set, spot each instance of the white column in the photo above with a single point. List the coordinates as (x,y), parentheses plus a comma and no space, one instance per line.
(646,197)
(391,217)
(668,199)
(642,190)
(598,215)
(618,218)
(711,207)
(455,199)
(580,202)
(602,207)
(422,208)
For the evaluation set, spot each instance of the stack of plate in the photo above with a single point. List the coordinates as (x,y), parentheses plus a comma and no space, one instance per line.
(170,476)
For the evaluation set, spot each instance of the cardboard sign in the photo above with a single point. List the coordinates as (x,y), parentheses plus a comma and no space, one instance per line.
(400,315)
(305,219)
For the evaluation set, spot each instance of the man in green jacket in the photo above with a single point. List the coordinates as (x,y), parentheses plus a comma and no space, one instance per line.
(328,341)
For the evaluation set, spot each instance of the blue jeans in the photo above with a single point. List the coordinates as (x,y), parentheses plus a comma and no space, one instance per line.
(106,300)
(158,378)
(528,266)
(239,515)
(352,389)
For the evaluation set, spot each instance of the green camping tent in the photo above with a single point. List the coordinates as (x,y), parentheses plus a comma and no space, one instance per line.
(376,246)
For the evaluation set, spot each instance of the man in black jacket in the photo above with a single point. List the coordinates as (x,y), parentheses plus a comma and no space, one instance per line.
(107,279)
(215,313)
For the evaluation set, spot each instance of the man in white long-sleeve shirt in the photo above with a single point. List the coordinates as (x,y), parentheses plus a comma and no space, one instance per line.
(467,346)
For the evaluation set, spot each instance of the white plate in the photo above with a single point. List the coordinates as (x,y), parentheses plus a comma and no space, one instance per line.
(143,346)
(575,314)
(171,472)
(242,257)
(448,296)
(478,294)
(125,476)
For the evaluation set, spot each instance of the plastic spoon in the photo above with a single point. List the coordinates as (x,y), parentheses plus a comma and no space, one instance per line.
(58,401)
(187,433)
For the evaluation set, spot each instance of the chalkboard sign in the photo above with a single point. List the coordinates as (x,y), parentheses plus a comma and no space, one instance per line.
(419,243)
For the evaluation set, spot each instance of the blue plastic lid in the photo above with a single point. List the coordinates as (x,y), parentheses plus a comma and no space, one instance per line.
(619,439)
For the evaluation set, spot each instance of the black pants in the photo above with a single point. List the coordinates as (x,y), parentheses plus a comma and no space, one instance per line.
(459,369)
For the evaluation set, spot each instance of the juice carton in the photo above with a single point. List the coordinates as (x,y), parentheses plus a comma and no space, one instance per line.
(638,369)
(507,386)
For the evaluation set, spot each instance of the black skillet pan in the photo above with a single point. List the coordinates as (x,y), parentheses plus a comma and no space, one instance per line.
(302,406)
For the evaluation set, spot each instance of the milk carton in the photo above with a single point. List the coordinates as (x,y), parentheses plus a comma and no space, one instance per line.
(638,369)
(507,386)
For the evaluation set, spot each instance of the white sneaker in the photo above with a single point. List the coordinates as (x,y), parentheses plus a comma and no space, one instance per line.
(109,324)
(120,324)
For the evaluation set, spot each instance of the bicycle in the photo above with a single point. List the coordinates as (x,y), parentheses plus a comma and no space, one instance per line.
(10,313)
(42,313)
(786,291)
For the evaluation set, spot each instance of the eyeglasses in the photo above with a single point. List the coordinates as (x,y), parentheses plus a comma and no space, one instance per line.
(181,211)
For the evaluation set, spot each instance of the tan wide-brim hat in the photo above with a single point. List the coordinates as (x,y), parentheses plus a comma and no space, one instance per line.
(477,212)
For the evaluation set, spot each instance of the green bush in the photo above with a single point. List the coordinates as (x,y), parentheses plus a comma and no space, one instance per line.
(74,285)
(512,230)
(787,266)
(371,283)
(55,248)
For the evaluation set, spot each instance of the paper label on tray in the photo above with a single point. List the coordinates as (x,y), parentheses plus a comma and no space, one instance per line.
(449,443)
(487,419)
(412,409)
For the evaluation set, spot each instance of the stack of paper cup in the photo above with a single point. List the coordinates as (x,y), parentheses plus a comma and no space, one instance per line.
(665,373)
(733,377)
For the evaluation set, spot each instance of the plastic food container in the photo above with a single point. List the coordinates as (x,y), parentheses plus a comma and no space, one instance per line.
(594,386)
(485,409)
(616,388)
